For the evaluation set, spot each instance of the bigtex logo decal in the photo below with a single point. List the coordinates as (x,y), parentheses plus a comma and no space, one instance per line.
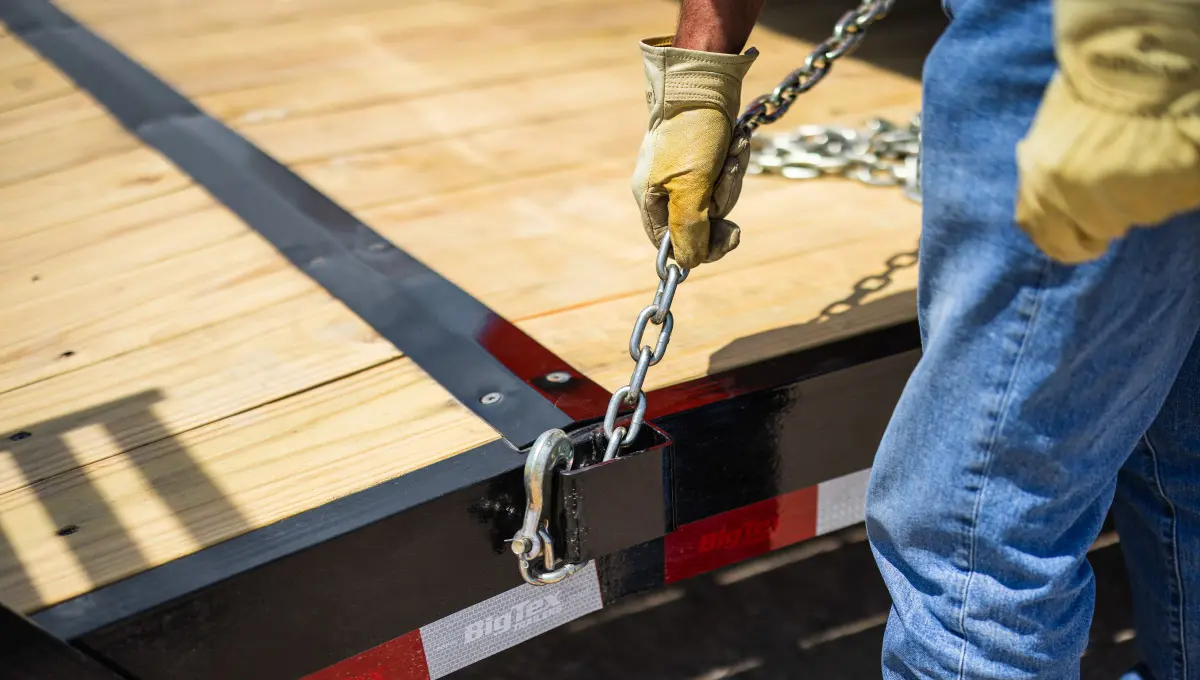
(747,533)
(522,615)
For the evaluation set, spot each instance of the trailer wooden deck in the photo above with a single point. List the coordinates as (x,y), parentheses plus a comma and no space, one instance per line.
(168,380)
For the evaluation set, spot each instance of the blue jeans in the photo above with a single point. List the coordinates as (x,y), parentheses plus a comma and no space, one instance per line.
(1046,395)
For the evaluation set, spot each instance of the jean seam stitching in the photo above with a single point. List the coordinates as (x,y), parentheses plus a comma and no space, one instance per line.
(988,451)
(1179,620)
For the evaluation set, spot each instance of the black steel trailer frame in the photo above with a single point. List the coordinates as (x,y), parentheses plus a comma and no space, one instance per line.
(413,578)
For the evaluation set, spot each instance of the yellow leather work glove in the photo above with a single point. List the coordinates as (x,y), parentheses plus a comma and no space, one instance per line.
(1116,140)
(690,167)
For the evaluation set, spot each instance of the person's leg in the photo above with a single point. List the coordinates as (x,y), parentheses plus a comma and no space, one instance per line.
(1157,513)
(1035,383)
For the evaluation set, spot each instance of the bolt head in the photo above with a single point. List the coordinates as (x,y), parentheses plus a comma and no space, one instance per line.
(559,377)
(520,546)
(491,398)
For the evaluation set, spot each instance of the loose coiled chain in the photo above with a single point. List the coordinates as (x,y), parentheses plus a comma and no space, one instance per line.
(880,154)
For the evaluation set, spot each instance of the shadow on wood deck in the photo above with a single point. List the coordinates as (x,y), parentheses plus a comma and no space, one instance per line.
(80,517)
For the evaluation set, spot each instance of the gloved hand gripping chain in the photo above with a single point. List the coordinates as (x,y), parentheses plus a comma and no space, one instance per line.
(553,449)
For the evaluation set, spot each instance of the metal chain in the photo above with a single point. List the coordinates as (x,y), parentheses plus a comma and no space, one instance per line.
(658,313)
(767,108)
(848,32)
(880,154)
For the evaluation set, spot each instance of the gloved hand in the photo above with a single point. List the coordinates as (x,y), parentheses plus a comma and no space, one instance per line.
(690,167)
(1116,140)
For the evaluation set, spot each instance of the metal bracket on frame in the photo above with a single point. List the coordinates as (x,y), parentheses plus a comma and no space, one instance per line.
(580,506)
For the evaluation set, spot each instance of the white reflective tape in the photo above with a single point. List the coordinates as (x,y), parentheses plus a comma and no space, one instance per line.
(509,618)
(842,502)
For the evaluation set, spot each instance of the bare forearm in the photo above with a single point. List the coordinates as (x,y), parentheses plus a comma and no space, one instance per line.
(716,25)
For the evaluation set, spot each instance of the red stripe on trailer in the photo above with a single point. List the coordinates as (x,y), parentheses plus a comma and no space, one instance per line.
(400,659)
(580,398)
(740,534)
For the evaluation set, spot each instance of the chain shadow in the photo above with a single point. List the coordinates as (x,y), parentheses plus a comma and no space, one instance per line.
(82,512)
(899,42)
(839,318)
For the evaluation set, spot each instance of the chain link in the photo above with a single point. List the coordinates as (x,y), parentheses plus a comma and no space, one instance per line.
(657,313)
(847,34)
(880,154)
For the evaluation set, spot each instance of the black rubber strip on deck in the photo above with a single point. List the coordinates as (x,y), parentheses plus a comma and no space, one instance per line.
(428,318)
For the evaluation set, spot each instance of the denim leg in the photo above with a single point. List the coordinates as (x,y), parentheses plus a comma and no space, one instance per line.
(1157,512)
(1036,381)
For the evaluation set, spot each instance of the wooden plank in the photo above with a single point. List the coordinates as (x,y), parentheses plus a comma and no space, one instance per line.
(150,17)
(763,311)
(84,190)
(51,114)
(573,240)
(573,102)
(470,161)
(68,159)
(380,78)
(35,97)
(126,21)
(124,239)
(228,47)
(209,270)
(522,43)
(205,375)
(41,153)
(25,79)
(167,499)
(12,51)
